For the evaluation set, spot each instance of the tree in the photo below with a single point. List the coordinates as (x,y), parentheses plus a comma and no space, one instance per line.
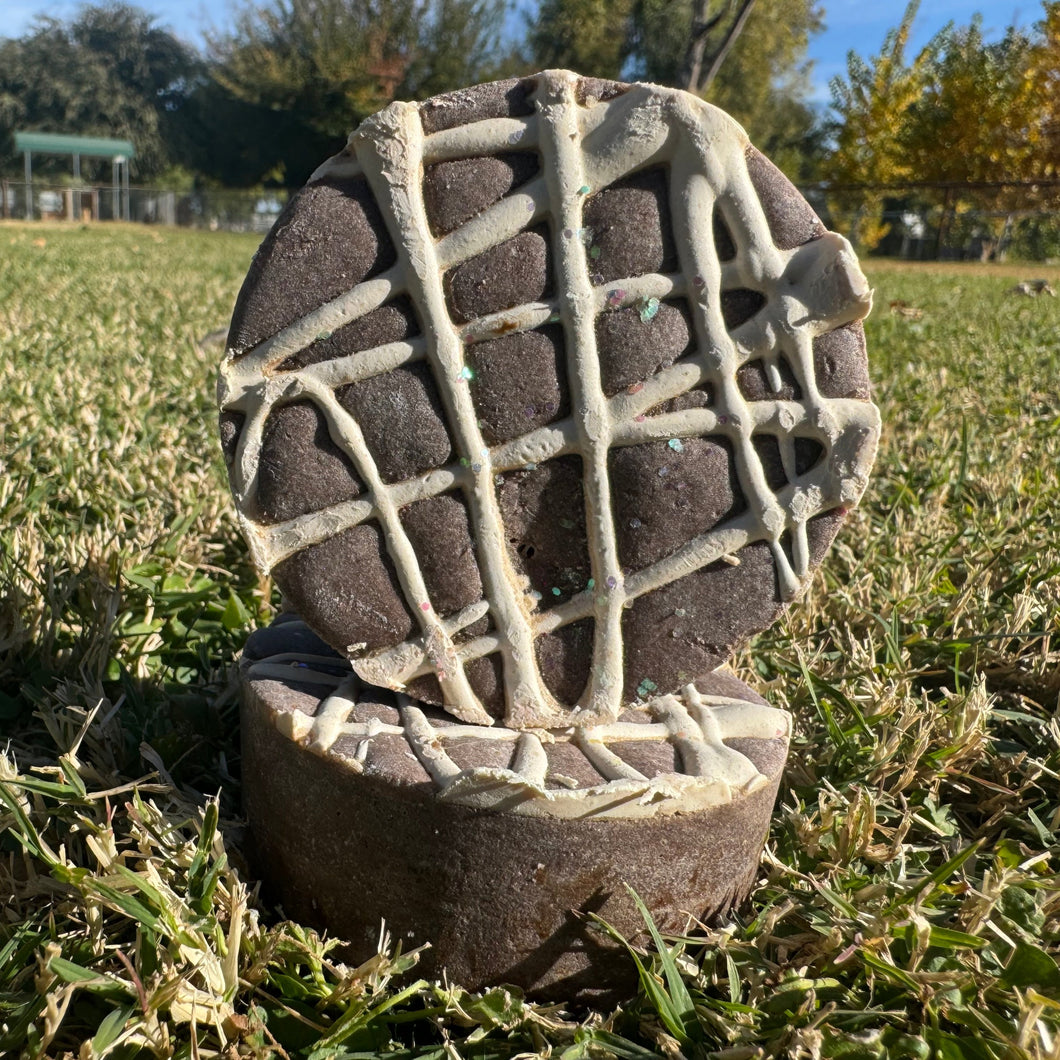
(871,104)
(311,70)
(111,72)
(977,117)
(773,108)
(964,115)
(715,48)
(1045,76)
(590,36)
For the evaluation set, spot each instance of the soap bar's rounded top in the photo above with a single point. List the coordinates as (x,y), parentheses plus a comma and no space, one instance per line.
(543,395)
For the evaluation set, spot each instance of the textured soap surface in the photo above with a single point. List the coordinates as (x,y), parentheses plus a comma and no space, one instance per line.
(543,396)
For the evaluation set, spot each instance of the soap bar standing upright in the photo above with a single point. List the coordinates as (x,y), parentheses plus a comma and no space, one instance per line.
(541,398)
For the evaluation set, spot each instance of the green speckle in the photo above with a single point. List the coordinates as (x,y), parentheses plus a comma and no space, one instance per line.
(466,373)
(594,253)
(645,687)
(648,308)
(584,189)
(556,591)
(675,444)
(323,336)
(591,583)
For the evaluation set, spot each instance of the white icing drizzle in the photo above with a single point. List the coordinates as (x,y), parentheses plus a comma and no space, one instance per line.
(391,151)
(561,143)
(809,290)
(696,725)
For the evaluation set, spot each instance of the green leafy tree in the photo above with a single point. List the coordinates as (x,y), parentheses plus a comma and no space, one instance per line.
(303,73)
(715,48)
(590,36)
(773,107)
(111,72)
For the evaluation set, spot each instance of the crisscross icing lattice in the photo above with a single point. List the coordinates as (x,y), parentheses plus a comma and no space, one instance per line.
(696,725)
(808,291)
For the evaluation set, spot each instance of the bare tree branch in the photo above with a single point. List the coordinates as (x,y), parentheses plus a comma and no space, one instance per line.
(692,77)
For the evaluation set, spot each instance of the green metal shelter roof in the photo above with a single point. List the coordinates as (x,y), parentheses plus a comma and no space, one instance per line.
(58,144)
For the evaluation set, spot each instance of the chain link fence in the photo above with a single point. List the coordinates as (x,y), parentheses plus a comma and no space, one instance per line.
(936,221)
(234,211)
(926,221)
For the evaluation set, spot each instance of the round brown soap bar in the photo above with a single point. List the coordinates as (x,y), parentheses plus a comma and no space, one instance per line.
(497,846)
(543,395)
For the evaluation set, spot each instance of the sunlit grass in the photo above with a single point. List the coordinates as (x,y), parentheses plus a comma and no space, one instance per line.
(909,902)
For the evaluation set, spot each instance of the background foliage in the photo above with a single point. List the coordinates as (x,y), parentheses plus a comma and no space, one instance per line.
(286,84)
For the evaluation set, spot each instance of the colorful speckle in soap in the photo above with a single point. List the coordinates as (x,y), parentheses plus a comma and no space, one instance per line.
(646,687)
(567,233)
(323,336)
(594,253)
(584,189)
(649,307)
(675,444)
(591,583)
(616,297)
(635,523)
(425,606)
(641,418)
(556,592)
(634,388)
(698,281)
(612,581)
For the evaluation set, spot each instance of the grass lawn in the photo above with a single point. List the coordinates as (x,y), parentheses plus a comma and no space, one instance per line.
(909,897)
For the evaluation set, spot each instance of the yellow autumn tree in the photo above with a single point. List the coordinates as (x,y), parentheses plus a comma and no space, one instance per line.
(872,105)
(974,123)
(1045,78)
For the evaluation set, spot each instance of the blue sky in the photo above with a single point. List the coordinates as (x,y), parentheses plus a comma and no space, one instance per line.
(858,25)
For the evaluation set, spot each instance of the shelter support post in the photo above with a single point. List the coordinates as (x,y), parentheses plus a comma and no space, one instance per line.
(77,187)
(27,155)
